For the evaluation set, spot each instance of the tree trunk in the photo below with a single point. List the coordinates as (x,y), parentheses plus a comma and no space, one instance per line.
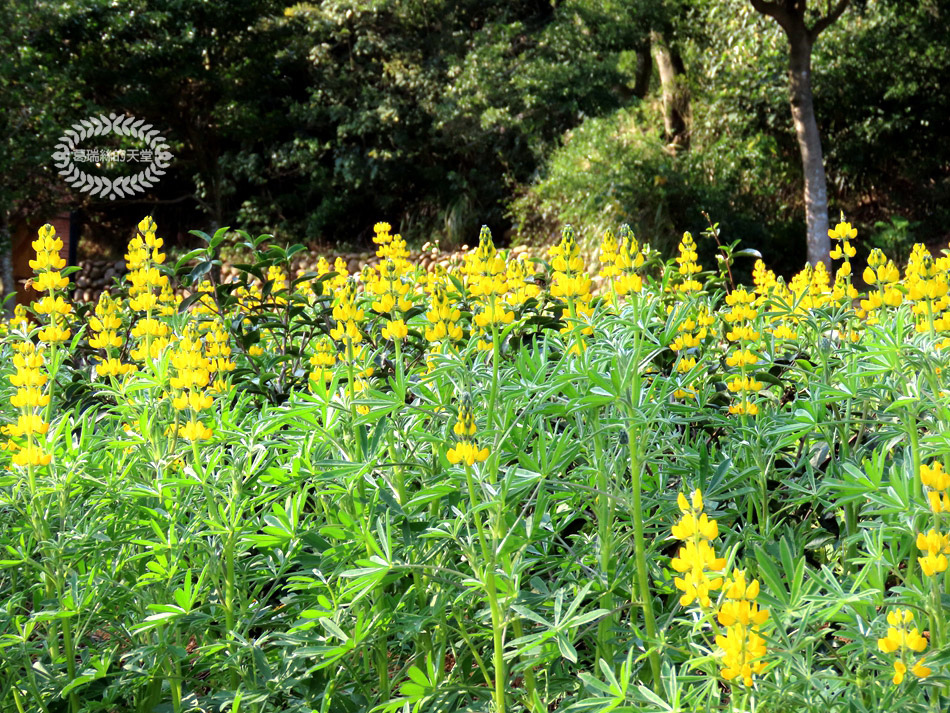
(6,264)
(809,143)
(790,15)
(641,84)
(672,72)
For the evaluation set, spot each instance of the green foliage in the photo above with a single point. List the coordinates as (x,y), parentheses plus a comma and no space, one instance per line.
(884,112)
(303,120)
(37,96)
(430,111)
(875,73)
(616,169)
(895,237)
(295,119)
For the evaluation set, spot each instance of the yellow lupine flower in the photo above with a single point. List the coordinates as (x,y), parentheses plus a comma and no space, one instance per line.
(743,651)
(195,430)
(901,638)
(744,407)
(934,476)
(466,450)
(901,634)
(696,559)
(937,547)
(742,357)
(31,454)
(395,329)
(323,360)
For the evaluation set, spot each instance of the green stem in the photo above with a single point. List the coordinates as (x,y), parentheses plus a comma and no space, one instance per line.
(493,394)
(642,583)
(400,371)
(68,648)
(351,386)
(918,483)
(70,662)
(382,667)
(229,619)
(533,702)
(491,591)
(937,622)
(175,683)
(605,535)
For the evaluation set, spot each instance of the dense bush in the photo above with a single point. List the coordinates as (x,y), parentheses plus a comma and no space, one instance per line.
(613,169)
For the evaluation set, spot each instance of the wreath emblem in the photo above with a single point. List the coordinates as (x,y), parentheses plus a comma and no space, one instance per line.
(123,126)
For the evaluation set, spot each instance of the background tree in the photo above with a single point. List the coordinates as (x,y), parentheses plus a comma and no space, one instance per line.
(315,120)
(431,112)
(802,31)
(210,76)
(37,96)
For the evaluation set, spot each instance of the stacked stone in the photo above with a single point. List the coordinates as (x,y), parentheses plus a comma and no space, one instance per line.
(94,276)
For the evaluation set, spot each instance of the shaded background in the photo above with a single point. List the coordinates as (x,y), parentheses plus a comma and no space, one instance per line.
(313,121)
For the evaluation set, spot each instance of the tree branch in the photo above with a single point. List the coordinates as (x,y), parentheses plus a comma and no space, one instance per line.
(776,10)
(829,19)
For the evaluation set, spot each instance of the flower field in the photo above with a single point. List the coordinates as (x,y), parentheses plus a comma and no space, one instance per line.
(505,486)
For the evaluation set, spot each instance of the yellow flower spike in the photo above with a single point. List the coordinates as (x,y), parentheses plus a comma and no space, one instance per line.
(323,360)
(608,256)
(890,643)
(195,430)
(147,225)
(466,450)
(843,231)
(686,364)
(51,280)
(743,650)
(31,454)
(937,547)
(395,329)
(28,424)
(708,528)
(696,559)
(901,635)
(685,528)
(939,502)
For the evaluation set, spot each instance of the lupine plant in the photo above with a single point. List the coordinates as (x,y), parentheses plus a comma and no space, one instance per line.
(576,483)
